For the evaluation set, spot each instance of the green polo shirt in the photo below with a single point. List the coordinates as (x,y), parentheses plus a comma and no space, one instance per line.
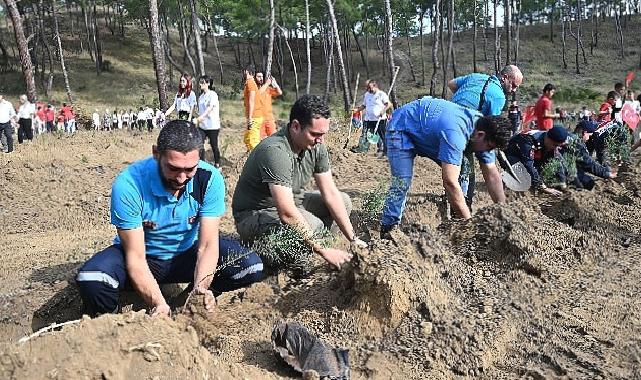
(274,161)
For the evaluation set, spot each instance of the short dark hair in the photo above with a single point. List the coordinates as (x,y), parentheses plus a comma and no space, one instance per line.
(619,86)
(613,95)
(251,69)
(207,79)
(179,135)
(309,107)
(549,87)
(497,129)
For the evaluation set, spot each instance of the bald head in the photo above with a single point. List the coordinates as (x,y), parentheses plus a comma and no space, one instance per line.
(511,78)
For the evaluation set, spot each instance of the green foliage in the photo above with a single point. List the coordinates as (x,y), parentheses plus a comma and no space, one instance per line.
(617,143)
(284,247)
(577,95)
(373,202)
(550,171)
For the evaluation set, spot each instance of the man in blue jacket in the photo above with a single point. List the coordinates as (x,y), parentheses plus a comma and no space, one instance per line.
(444,132)
(486,94)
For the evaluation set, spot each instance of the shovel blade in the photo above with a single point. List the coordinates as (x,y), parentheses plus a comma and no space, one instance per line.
(522,182)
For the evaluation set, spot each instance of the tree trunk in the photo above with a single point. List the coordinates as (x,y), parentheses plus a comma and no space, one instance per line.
(366,43)
(563,45)
(291,55)
(497,41)
(96,39)
(88,29)
(552,21)
(595,27)
(436,23)
(360,50)
(517,37)
(507,21)
(214,40)
(270,46)
(486,14)
(617,22)
(339,54)
(23,48)
(409,51)
(56,29)
(157,53)
(474,36)
(421,24)
(183,38)
(308,49)
(450,31)
(390,50)
(329,42)
(196,28)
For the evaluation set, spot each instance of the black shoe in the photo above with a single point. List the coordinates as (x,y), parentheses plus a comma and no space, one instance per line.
(386,231)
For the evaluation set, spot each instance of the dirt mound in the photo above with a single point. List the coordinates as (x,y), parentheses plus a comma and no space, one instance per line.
(118,347)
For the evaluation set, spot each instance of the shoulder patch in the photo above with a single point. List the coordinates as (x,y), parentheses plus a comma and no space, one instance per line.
(201,180)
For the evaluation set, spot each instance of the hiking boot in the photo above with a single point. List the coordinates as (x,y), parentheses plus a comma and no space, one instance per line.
(357,149)
(386,231)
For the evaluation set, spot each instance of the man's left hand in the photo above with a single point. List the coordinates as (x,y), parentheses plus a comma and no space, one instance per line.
(209,300)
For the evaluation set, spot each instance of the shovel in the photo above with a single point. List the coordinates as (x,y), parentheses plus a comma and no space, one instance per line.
(349,134)
(516,178)
(372,137)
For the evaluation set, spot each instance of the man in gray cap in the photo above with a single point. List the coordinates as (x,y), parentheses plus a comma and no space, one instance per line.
(534,149)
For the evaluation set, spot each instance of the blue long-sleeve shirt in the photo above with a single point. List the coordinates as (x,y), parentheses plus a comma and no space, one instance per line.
(584,160)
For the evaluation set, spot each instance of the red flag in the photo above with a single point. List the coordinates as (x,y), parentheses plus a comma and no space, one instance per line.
(629,78)
(629,115)
(528,116)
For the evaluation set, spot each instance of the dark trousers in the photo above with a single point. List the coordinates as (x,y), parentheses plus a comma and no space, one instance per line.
(141,124)
(150,125)
(50,126)
(101,279)
(25,130)
(213,141)
(369,126)
(7,129)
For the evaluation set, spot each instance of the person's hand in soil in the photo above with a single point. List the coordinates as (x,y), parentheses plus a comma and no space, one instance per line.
(612,174)
(336,257)
(162,309)
(209,300)
(358,243)
(552,191)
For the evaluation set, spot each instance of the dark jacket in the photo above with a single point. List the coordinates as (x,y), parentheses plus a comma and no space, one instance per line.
(527,148)
(584,160)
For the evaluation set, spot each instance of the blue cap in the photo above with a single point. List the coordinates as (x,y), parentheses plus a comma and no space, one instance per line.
(558,134)
(588,126)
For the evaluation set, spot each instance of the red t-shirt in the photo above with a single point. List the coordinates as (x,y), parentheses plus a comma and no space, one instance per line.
(543,123)
(67,112)
(49,115)
(605,113)
(41,114)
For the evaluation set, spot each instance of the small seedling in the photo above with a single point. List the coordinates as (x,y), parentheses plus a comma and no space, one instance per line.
(550,171)
(617,144)
(373,202)
(285,247)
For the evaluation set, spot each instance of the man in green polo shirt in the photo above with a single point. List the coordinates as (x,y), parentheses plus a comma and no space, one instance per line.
(270,188)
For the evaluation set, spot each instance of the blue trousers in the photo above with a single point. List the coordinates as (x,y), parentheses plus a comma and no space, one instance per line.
(402,147)
(102,277)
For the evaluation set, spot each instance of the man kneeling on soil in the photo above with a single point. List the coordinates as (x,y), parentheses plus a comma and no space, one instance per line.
(167,211)
(270,188)
(444,132)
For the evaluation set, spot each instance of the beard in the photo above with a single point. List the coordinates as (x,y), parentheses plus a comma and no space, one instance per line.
(170,184)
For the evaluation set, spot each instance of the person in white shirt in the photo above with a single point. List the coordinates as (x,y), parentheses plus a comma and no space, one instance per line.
(141,119)
(375,103)
(119,118)
(95,119)
(7,118)
(150,118)
(26,112)
(185,99)
(208,119)
(125,119)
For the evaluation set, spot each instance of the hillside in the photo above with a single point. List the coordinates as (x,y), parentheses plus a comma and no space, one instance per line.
(130,82)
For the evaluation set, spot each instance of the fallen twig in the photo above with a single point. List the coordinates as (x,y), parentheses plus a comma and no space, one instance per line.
(47,329)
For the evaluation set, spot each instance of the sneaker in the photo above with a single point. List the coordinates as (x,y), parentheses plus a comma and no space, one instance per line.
(380,154)
(356,149)
(386,231)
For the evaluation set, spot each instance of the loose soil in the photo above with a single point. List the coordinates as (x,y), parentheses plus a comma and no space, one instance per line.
(536,288)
